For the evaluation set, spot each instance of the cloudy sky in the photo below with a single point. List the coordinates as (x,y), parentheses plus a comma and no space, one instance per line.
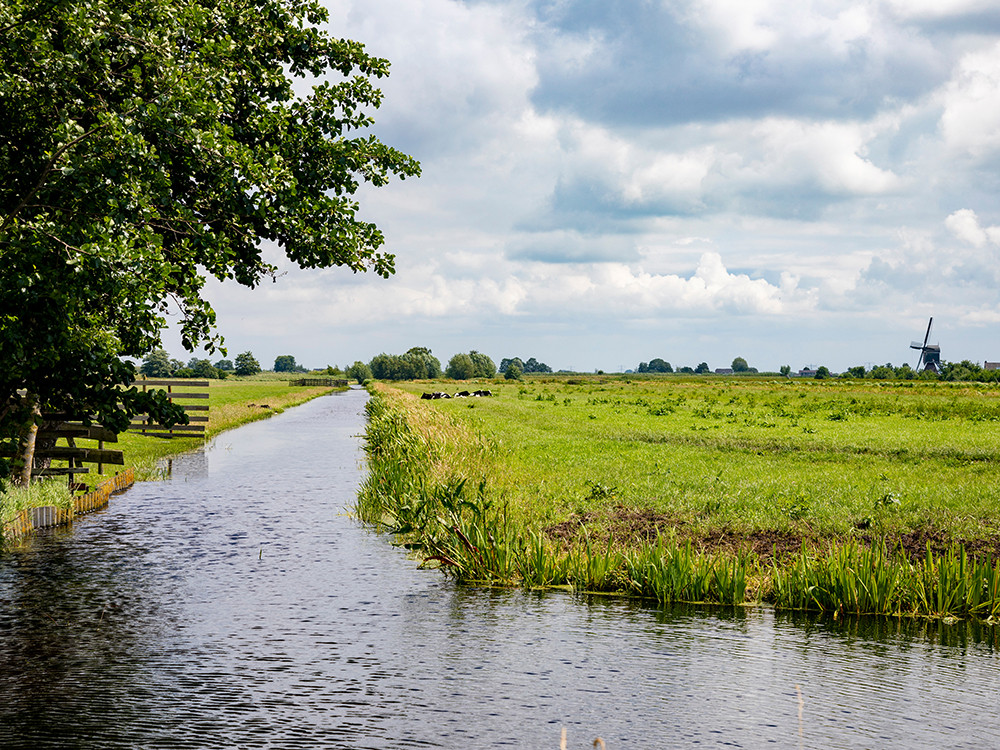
(608,181)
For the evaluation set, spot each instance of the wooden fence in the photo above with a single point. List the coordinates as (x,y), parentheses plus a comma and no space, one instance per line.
(179,390)
(47,449)
(328,382)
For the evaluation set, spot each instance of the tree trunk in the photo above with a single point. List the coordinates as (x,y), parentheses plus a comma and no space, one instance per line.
(29,431)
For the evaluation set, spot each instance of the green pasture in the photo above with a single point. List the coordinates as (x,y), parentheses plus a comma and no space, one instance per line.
(817,459)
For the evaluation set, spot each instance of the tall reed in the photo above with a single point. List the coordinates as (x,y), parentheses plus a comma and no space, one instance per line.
(854,579)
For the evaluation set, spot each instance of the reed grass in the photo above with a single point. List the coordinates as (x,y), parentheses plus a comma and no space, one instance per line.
(852,579)
(14,499)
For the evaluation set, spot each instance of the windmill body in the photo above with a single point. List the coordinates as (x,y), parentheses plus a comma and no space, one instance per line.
(930,354)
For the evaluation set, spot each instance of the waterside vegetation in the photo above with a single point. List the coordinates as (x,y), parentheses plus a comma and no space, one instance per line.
(836,496)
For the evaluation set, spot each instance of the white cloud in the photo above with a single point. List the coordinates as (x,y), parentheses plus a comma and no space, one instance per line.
(762,25)
(829,154)
(693,164)
(970,122)
(938,9)
(964,224)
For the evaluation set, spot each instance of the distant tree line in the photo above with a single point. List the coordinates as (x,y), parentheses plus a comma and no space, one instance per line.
(287,363)
(417,364)
(964,371)
(513,368)
(658,365)
(159,364)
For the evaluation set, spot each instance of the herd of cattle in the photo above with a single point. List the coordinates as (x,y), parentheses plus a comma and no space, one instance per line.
(460,394)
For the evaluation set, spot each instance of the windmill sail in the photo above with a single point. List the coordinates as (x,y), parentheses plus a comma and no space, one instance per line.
(930,354)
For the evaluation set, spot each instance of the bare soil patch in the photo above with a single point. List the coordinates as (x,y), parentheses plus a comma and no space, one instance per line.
(636,526)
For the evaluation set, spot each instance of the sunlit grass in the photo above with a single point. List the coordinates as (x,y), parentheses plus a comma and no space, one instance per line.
(848,469)
(781,455)
(48,492)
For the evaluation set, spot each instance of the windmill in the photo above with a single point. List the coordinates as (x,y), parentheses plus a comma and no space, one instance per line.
(930,354)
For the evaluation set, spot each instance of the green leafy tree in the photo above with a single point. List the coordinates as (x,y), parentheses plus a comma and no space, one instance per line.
(247,364)
(157,364)
(417,364)
(507,362)
(822,373)
(883,372)
(201,368)
(740,365)
(655,365)
(360,372)
(482,365)
(786,370)
(423,364)
(285,363)
(461,367)
(225,365)
(533,365)
(384,367)
(513,372)
(702,368)
(145,144)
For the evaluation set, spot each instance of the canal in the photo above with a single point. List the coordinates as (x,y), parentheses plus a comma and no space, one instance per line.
(237,605)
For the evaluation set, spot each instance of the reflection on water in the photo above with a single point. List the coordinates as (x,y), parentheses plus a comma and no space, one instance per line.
(235,605)
(191,465)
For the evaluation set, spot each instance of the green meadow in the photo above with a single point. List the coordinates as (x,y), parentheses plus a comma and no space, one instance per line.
(766,470)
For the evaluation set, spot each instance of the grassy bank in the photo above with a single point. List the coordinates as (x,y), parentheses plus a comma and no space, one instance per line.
(233,402)
(703,489)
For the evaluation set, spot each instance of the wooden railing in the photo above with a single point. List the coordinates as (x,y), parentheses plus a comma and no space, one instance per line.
(177,391)
(52,430)
(328,382)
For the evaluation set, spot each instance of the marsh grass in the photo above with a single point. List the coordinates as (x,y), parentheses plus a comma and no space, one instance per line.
(473,491)
(801,456)
(49,492)
(852,579)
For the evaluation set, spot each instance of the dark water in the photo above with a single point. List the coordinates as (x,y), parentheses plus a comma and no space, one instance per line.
(237,606)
